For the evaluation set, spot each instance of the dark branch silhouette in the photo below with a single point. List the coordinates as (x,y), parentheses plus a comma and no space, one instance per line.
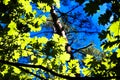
(27,71)
(63,14)
(18,65)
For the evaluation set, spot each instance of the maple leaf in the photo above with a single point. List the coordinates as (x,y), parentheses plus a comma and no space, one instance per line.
(91,8)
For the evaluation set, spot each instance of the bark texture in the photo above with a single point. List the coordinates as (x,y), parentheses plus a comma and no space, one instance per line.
(58,28)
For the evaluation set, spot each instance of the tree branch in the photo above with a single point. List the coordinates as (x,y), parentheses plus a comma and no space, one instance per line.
(27,71)
(80,49)
(58,28)
(52,72)
(67,11)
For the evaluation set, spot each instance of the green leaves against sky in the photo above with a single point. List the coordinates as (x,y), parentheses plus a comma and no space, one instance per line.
(19,19)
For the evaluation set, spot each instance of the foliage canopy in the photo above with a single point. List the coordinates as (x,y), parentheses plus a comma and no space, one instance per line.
(48,59)
(17,19)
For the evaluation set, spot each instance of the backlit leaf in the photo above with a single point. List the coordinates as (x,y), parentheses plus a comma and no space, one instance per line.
(6,2)
(118,53)
(115,28)
(16,70)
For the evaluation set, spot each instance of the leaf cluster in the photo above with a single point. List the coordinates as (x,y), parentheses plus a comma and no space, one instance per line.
(93,7)
(18,19)
(108,65)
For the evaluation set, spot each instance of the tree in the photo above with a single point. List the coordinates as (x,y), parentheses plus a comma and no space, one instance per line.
(108,66)
(47,59)
(112,10)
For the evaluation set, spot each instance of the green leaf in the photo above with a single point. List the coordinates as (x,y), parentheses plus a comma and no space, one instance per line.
(118,53)
(6,2)
(114,28)
(16,70)
(16,55)
(57,2)
(64,57)
(86,71)
(25,5)
(13,30)
(5,69)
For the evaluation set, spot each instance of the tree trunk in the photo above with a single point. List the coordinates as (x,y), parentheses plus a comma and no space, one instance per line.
(58,28)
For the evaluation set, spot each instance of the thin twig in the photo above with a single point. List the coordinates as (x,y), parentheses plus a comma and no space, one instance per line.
(80,49)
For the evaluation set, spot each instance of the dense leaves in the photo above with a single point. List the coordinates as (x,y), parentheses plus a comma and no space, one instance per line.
(15,43)
(108,65)
(93,6)
(48,59)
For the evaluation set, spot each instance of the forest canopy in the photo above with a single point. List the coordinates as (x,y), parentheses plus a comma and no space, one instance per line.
(53,58)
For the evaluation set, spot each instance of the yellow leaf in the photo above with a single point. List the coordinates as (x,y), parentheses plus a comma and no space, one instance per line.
(24,53)
(57,2)
(64,69)
(33,28)
(115,27)
(113,64)
(72,75)
(13,30)
(110,38)
(16,70)
(118,53)
(86,71)
(5,70)
(16,55)
(64,57)
(88,58)
(110,48)
(33,57)
(25,5)
(56,37)
(48,8)
(43,18)
(106,64)
(44,7)
(72,63)
(6,2)
(62,40)
(42,40)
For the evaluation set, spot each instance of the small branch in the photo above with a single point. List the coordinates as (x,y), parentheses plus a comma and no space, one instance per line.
(34,66)
(80,49)
(73,8)
(67,11)
(83,31)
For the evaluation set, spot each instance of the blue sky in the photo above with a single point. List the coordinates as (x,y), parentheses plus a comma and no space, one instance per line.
(87,35)
(83,39)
